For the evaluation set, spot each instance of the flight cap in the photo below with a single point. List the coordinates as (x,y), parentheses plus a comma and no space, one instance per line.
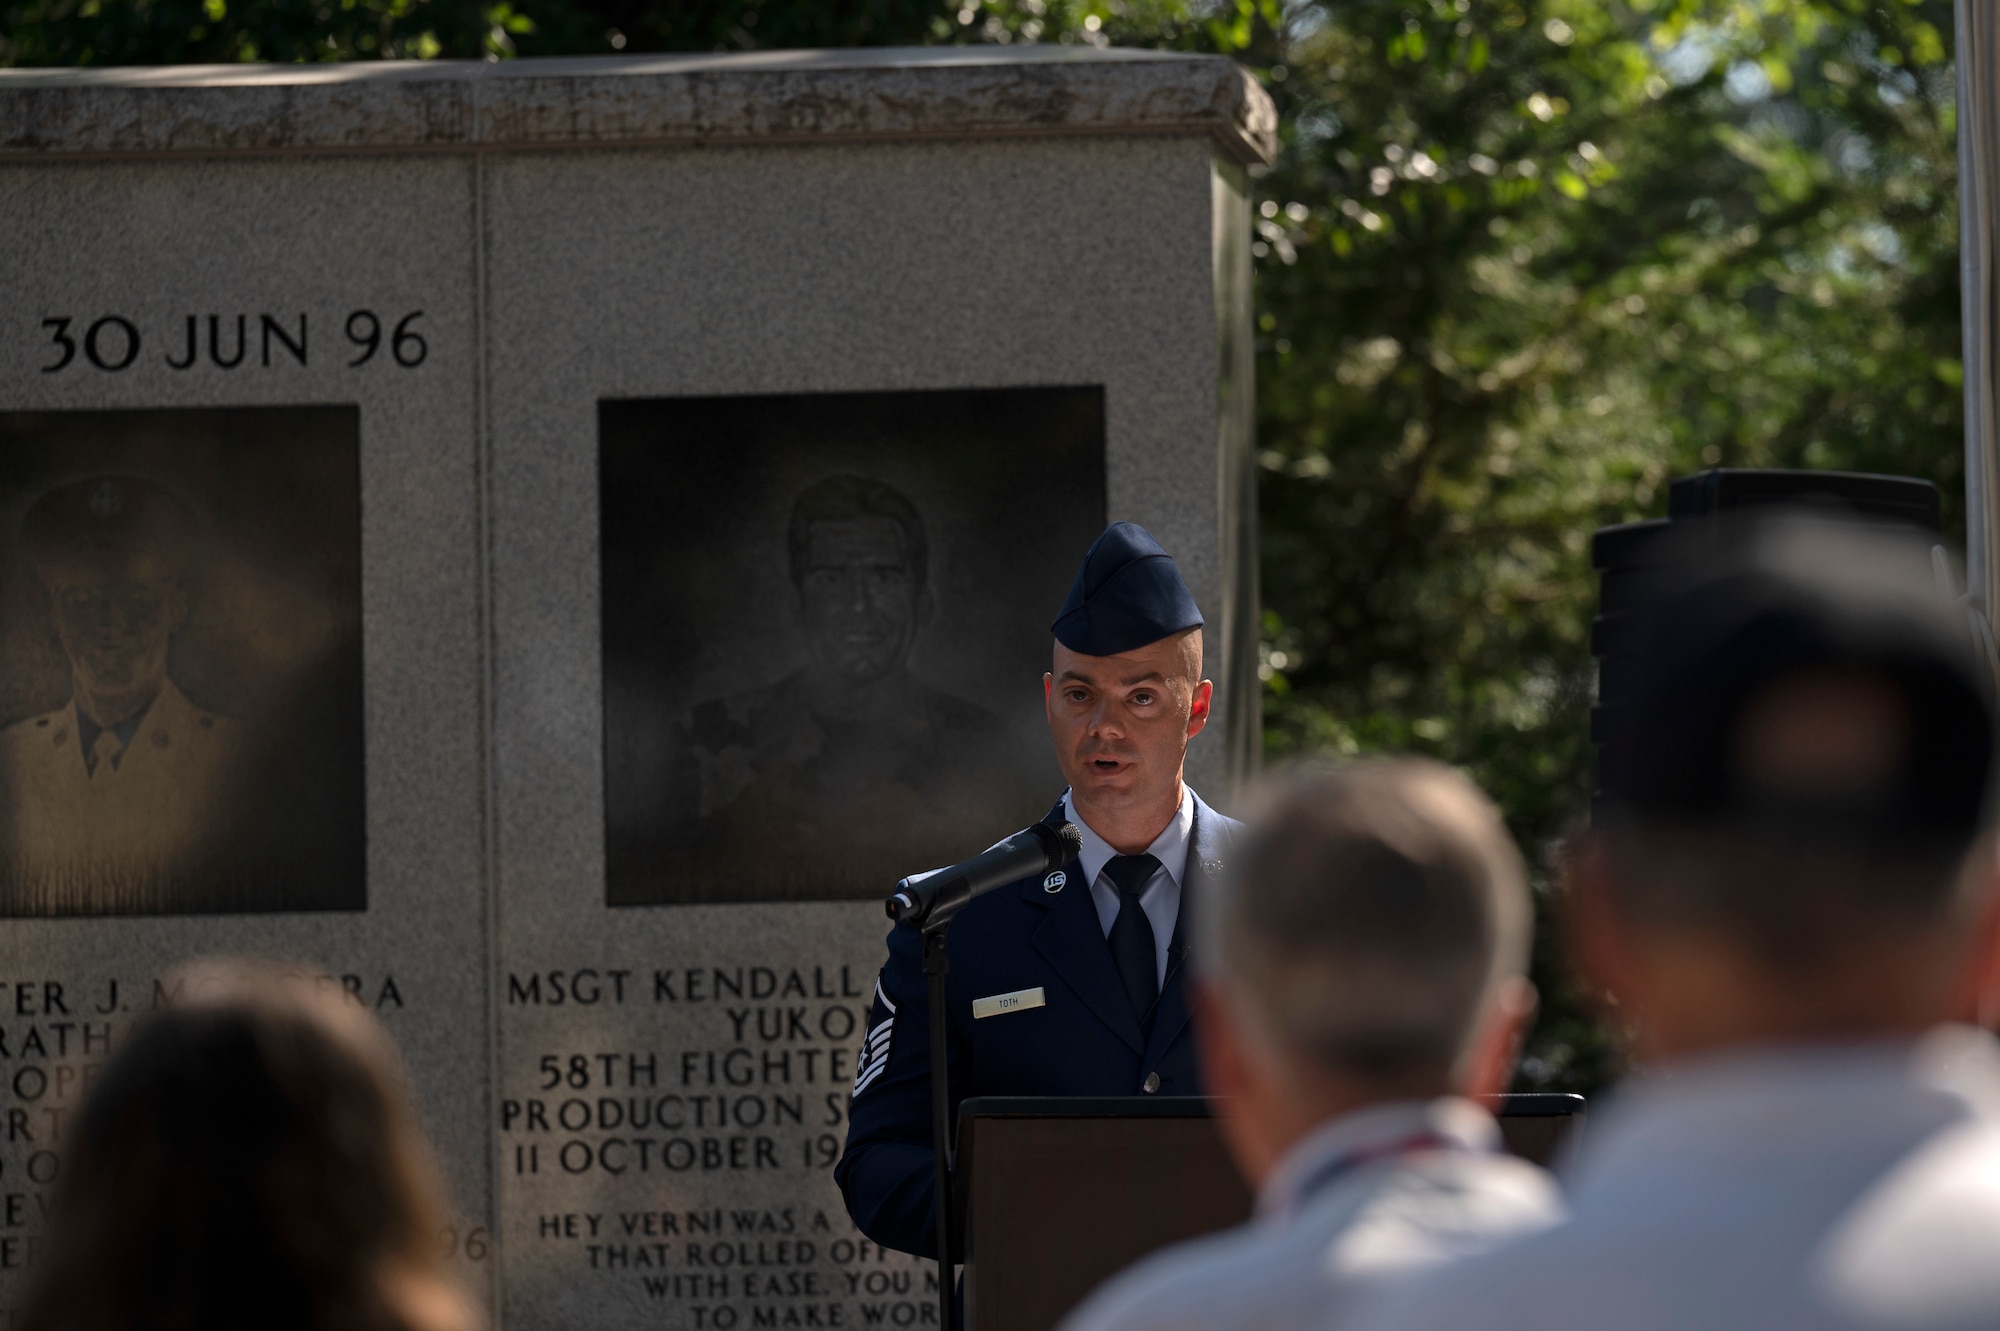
(110,526)
(1809,687)
(1127,594)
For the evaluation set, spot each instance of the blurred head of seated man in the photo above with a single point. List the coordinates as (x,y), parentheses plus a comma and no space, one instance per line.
(1362,979)
(1789,905)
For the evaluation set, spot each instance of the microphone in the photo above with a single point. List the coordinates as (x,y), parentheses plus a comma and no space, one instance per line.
(932,898)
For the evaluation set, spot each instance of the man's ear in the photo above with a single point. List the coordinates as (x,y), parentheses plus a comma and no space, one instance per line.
(1245,1096)
(1198,707)
(1983,966)
(1599,945)
(1496,1044)
(1215,1042)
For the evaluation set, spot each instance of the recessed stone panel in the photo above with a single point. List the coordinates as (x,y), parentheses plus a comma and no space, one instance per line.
(212,344)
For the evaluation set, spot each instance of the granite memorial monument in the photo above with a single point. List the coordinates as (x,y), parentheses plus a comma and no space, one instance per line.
(509,490)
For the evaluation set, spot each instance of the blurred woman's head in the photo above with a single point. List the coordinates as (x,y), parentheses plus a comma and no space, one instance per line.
(247,1159)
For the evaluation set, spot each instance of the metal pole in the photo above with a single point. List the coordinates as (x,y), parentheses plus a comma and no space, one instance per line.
(1978,176)
(936,963)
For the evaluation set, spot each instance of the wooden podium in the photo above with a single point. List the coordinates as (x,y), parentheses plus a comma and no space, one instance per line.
(1057,1195)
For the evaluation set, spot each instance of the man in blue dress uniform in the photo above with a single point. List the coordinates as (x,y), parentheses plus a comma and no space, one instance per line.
(1074,982)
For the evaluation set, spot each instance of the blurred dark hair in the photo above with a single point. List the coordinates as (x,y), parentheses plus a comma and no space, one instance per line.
(849,499)
(247,1160)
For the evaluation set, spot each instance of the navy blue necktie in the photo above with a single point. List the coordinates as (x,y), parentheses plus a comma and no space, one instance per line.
(1132,943)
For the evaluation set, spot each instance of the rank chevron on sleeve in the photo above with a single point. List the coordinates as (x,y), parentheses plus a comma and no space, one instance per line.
(875,1049)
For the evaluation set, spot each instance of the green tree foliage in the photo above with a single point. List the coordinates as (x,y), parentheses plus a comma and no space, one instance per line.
(1520,265)
(1521,262)
(167,32)
(152,32)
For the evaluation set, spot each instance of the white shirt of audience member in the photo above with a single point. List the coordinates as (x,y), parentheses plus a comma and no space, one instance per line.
(1370,1198)
(1841,1188)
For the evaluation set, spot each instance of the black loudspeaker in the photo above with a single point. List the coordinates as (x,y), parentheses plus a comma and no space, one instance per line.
(1637,563)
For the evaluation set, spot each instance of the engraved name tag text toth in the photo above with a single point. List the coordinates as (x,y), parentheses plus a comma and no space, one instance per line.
(1018,1001)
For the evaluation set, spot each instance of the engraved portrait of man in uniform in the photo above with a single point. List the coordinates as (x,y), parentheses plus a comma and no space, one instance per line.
(154,758)
(852,712)
(121,784)
(852,740)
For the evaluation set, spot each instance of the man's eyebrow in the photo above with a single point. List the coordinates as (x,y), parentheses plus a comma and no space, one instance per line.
(1149,676)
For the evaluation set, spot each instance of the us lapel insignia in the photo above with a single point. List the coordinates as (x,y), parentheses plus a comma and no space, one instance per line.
(1213,866)
(1054,882)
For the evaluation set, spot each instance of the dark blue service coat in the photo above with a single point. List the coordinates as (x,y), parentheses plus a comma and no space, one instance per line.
(1041,932)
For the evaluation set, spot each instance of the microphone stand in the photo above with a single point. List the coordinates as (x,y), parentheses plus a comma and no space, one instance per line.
(936,963)
(930,901)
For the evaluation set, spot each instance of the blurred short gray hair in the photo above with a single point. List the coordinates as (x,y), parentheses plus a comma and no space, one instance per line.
(1369,914)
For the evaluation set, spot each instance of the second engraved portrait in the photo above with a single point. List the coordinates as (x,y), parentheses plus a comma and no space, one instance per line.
(825,626)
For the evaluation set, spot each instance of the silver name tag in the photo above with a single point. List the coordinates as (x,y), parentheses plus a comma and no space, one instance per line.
(1018,1001)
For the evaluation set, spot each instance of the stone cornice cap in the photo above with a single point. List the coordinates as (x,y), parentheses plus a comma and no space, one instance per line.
(616,101)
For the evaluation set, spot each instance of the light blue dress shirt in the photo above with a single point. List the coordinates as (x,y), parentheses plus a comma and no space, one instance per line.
(1160,898)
